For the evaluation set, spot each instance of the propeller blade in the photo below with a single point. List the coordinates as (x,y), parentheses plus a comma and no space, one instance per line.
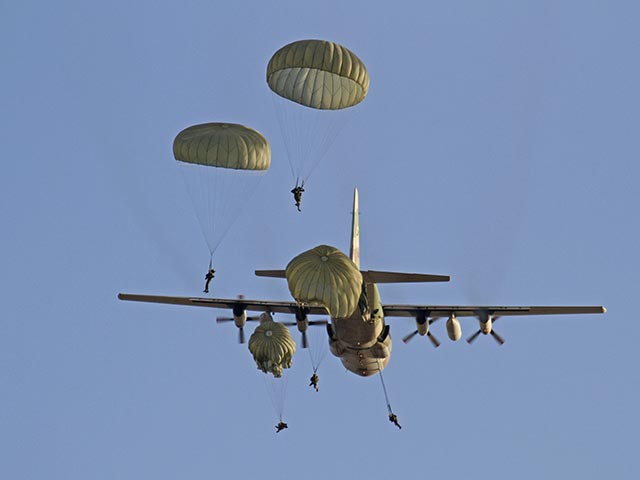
(409,337)
(473,337)
(433,339)
(241,335)
(318,322)
(229,319)
(497,337)
(305,343)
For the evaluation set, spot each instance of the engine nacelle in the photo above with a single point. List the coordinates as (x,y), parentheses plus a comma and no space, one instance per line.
(302,325)
(239,317)
(302,322)
(454,330)
(422,325)
(485,327)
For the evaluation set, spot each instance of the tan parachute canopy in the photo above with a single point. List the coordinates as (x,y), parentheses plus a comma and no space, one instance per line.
(225,145)
(325,276)
(318,74)
(272,346)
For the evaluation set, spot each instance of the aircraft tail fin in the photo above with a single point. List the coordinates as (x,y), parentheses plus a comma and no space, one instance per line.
(354,252)
(369,276)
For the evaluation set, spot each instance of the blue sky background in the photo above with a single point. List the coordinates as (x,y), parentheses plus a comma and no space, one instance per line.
(498,144)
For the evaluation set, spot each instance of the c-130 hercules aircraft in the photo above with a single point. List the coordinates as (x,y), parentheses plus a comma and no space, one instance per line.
(362,340)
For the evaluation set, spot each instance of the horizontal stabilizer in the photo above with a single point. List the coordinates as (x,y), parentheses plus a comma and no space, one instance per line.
(373,276)
(271,273)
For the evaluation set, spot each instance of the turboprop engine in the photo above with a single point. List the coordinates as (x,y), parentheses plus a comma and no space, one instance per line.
(302,322)
(486,327)
(239,318)
(422,329)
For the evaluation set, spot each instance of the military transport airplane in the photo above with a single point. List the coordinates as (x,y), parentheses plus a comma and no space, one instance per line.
(362,341)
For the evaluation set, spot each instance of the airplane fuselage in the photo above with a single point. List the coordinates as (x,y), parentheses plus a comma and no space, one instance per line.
(362,342)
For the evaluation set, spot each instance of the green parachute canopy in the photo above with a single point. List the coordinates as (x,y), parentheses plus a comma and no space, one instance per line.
(318,74)
(221,164)
(224,145)
(325,276)
(272,346)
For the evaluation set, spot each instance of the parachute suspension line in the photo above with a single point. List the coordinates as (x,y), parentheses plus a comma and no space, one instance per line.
(393,418)
(330,133)
(282,122)
(277,389)
(314,364)
(316,359)
(294,122)
(218,196)
(318,128)
(317,351)
(316,355)
(195,185)
(307,133)
(384,389)
(311,359)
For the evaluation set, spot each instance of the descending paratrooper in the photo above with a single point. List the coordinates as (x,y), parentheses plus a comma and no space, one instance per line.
(221,164)
(313,81)
(297,194)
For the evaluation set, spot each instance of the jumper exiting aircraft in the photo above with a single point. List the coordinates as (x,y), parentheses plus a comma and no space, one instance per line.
(358,334)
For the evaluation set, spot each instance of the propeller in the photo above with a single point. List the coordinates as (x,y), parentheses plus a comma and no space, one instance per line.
(406,338)
(305,340)
(239,315)
(473,337)
(241,337)
(239,311)
(433,339)
(495,336)
(428,333)
(231,319)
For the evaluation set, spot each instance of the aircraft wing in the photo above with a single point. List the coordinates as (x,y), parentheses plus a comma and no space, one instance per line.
(438,311)
(250,305)
(389,310)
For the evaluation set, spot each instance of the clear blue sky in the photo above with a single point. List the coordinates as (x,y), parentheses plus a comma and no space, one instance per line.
(498,144)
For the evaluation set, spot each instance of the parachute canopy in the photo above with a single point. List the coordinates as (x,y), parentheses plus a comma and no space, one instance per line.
(318,74)
(221,164)
(272,346)
(225,145)
(325,276)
